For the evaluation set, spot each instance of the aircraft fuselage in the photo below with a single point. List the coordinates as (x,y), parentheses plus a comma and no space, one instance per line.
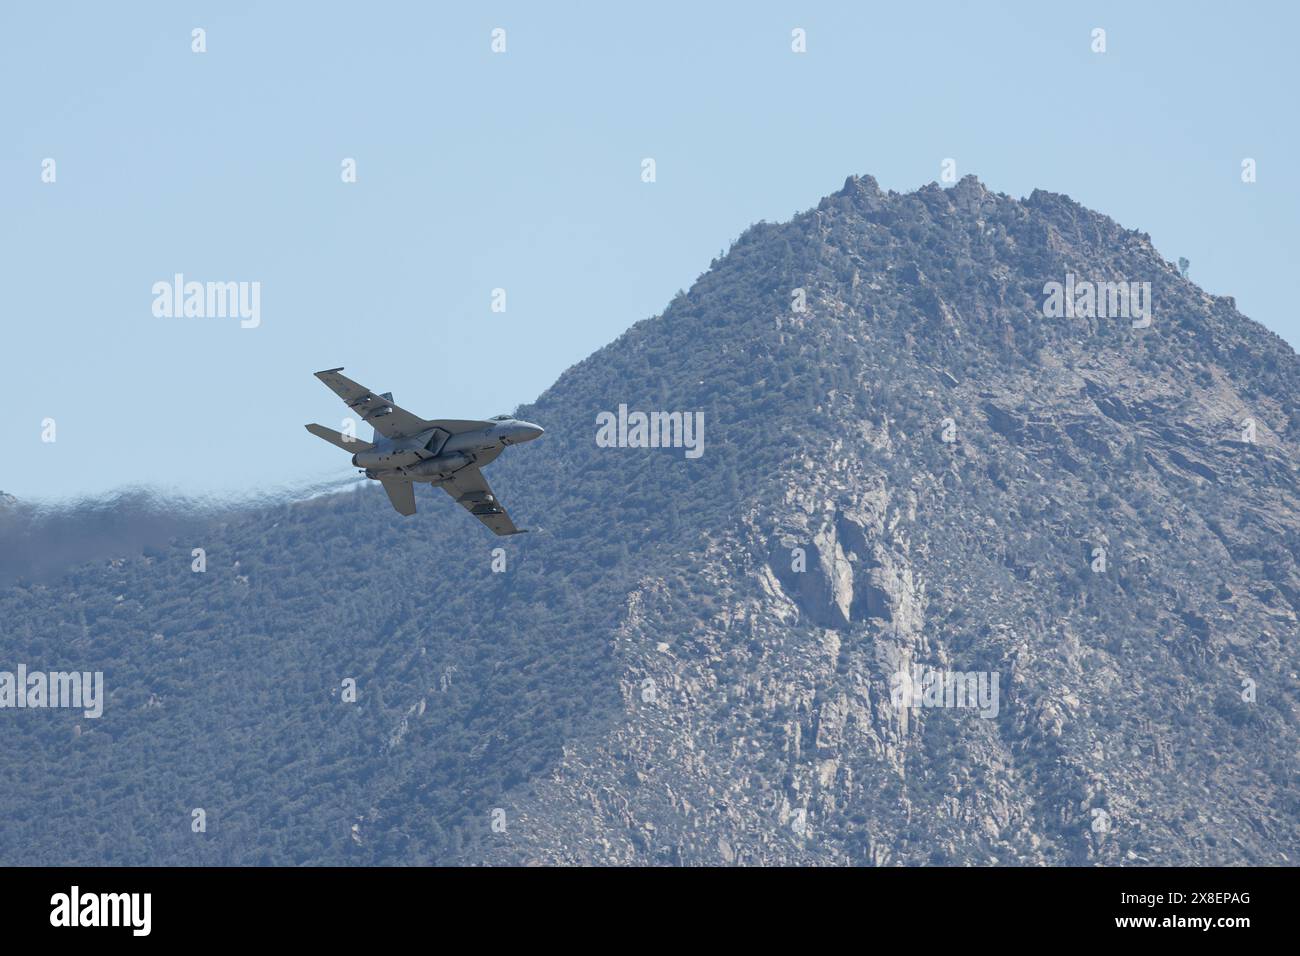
(413,459)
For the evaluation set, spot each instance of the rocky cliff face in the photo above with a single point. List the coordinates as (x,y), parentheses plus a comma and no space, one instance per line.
(1102,515)
(912,466)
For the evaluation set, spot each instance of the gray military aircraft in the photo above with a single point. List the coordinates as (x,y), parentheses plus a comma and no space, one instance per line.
(446,452)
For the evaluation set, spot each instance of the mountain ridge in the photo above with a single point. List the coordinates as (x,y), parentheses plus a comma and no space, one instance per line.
(947,460)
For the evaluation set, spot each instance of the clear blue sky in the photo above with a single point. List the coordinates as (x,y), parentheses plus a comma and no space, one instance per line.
(522,171)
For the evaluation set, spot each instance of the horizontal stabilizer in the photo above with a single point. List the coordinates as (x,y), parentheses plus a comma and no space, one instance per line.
(402,495)
(353,445)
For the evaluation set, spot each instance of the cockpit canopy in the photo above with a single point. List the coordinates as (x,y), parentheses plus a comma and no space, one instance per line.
(500,418)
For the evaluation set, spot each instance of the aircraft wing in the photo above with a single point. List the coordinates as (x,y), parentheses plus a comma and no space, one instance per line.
(402,495)
(471,491)
(379,412)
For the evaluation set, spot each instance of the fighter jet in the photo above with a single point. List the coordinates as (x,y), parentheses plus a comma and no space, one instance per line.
(446,452)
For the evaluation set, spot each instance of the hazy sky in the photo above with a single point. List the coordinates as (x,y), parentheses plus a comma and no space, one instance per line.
(522,170)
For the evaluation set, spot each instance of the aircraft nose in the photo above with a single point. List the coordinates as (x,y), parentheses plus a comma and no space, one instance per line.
(528,431)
